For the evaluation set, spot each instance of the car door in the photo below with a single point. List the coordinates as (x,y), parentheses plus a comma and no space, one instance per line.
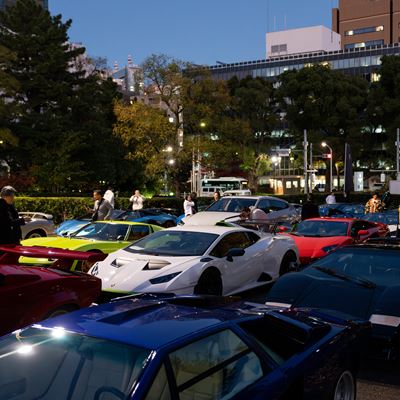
(240,271)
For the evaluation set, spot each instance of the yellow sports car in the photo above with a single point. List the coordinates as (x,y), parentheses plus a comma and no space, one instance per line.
(102,237)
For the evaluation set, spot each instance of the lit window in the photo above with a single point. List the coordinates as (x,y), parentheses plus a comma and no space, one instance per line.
(349,33)
(375,77)
(379,28)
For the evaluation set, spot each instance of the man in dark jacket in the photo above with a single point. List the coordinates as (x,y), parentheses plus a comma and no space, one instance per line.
(10,223)
(309,209)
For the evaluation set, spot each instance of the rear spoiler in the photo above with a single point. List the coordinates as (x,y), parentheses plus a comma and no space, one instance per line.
(11,254)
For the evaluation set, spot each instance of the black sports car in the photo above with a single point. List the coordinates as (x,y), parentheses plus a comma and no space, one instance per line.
(361,280)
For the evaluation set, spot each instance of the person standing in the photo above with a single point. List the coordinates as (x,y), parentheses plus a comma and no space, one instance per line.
(109,196)
(331,199)
(309,209)
(137,200)
(194,200)
(217,195)
(10,222)
(188,205)
(102,208)
(373,205)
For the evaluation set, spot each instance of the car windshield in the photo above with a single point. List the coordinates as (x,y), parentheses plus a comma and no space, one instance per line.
(174,243)
(50,364)
(102,231)
(381,266)
(229,204)
(321,228)
(385,218)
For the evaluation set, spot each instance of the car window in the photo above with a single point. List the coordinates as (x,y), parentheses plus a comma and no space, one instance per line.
(102,231)
(265,205)
(230,204)
(321,228)
(277,205)
(159,389)
(57,364)
(216,367)
(174,243)
(138,232)
(236,240)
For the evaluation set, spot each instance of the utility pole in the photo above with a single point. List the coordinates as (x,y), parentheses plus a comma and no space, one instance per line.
(398,154)
(305,147)
(311,167)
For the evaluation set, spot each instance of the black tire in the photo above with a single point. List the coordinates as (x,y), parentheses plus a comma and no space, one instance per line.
(61,311)
(210,283)
(345,387)
(287,261)
(36,234)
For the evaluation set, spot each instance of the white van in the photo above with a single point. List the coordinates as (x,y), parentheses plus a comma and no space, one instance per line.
(244,192)
(208,191)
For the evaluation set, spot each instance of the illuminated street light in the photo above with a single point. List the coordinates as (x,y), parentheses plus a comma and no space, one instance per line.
(171,162)
(203,124)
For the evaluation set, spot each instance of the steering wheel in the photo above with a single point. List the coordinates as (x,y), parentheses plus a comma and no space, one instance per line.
(109,389)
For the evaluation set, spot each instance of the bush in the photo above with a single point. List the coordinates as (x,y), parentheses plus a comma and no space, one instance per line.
(63,208)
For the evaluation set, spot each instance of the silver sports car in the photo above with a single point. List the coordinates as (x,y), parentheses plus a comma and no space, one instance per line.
(37,225)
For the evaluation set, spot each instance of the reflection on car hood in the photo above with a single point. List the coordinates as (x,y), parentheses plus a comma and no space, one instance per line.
(210,218)
(312,246)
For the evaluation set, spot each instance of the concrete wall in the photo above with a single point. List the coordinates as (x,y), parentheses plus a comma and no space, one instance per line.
(303,40)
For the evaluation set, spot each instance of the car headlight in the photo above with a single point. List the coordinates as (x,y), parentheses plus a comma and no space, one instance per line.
(328,249)
(164,279)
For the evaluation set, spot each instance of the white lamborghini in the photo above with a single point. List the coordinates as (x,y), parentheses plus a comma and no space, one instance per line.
(198,260)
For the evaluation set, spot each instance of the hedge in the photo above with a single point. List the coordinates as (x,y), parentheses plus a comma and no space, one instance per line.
(72,207)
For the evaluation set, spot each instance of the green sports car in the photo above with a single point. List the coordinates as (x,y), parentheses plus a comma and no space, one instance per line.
(105,237)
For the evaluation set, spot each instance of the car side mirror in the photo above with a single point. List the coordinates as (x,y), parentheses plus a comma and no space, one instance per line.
(120,238)
(362,232)
(234,253)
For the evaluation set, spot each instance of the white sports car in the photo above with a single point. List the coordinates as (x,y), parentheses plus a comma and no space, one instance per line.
(198,259)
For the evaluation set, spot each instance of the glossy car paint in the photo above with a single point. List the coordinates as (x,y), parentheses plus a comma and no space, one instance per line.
(127,272)
(105,247)
(331,344)
(312,248)
(29,294)
(37,224)
(313,288)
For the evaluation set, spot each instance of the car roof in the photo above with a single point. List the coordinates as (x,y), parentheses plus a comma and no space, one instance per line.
(333,219)
(256,198)
(155,323)
(219,230)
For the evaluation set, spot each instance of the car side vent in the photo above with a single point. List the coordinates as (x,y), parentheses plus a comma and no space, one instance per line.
(122,317)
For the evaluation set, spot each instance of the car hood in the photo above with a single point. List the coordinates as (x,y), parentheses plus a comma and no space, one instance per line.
(127,272)
(210,218)
(311,247)
(315,289)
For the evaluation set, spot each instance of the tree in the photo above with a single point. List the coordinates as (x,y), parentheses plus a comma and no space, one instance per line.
(147,135)
(329,104)
(8,107)
(66,108)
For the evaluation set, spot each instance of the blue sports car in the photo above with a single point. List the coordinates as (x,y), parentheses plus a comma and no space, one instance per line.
(151,216)
(182,348)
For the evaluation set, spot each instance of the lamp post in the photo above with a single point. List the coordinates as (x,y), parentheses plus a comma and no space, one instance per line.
(324,144)
(170,162)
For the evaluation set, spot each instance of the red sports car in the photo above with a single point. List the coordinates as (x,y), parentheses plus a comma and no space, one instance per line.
(316,237)
(31,294)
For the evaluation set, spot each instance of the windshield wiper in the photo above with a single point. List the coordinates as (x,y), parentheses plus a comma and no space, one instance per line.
(359,281)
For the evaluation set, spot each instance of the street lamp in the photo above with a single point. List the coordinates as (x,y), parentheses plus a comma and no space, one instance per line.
(330,156)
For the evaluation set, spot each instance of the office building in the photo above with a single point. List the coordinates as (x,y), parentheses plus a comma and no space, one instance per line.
(9,3)
(357,61)
(366,23)
(303,40)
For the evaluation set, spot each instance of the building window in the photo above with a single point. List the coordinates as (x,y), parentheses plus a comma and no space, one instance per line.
(375,77)
(360,31)
(364,44)
(279,48)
